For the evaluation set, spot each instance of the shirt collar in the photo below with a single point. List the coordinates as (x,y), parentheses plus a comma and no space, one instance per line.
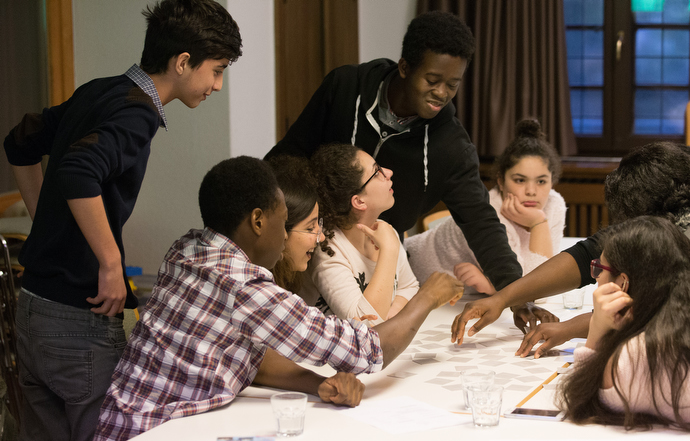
(144,81)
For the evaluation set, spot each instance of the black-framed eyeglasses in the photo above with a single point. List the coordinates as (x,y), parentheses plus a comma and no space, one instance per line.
(596,268)
(377,170)
(317,232)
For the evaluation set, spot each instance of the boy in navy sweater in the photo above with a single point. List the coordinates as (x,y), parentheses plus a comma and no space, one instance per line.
(69,319)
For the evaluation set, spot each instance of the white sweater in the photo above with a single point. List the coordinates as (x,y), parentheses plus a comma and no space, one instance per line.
(443,247)
(337,283)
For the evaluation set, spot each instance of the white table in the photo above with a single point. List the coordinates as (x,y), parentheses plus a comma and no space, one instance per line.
(427,371)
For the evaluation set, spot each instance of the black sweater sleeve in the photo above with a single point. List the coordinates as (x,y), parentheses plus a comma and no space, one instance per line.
(583,252)
(467,199)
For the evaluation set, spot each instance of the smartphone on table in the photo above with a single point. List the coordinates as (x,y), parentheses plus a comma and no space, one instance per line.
(539,414)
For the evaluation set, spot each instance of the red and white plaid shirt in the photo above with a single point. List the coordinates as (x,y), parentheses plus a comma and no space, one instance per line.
(204,334)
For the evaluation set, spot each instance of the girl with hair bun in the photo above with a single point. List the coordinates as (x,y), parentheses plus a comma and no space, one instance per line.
(531,211)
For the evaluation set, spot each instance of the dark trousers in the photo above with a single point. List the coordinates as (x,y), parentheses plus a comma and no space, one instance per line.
(66,358)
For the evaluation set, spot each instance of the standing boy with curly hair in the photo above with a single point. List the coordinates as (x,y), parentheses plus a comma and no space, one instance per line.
(403,116)
(69,319)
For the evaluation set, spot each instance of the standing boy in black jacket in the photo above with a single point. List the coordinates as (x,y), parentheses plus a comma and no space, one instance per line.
(69,319)
(402,114)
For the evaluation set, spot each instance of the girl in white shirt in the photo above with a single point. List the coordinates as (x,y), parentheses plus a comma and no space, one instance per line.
(634,368)
(361,271)
(526,204)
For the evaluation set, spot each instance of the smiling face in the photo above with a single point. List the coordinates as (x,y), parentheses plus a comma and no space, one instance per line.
(429,87)
(529,180)
(198,83)
(378,192)
(302,240)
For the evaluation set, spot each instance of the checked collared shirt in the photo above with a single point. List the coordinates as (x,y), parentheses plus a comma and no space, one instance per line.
(204,333)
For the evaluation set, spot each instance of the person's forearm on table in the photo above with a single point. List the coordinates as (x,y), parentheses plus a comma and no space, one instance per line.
(397,333)
(556,275)
(281,373)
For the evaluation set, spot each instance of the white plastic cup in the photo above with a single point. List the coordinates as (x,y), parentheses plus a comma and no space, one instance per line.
(574,299)
(480,378)
(486,405)
(289,409)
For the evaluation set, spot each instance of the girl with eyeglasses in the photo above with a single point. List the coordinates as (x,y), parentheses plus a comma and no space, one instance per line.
(303,225)
(633,370)
(532,213)
(361,270)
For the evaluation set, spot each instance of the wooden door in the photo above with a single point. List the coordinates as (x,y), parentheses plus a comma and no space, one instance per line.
(312,38)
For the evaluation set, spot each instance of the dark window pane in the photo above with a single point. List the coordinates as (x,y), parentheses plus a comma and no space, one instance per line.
(674,102)
(673,126)
(575,72)
(592,103)
(592,126)
(575,103)
(594,43)
(676,43)
(648,17)
(676,12)
(648,43)
(647,104)
(647,126)
(675,71)
(572,11)
(593,72)
(647,71)
(593,12)
(573,41)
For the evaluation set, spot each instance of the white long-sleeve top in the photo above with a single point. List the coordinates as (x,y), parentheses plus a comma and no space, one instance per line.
(443,247)
(634,381)
(338,283)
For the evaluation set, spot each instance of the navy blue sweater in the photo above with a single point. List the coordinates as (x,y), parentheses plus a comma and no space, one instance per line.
(99,142)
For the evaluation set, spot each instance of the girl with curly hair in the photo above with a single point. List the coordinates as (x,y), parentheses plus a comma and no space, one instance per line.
(361,270)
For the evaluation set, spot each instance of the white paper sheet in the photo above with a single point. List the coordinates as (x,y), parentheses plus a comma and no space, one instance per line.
(405,415)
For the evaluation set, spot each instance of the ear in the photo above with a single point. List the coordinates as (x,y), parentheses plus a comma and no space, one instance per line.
(257,219)
(403,68)
(181,62)
(357,203)
(625,284)
(500,182)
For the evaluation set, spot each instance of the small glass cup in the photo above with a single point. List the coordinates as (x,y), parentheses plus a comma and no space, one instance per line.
(289,409)
(574,299)
(486,405)
(482,379)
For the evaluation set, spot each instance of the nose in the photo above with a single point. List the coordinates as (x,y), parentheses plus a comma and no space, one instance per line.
(387,173)
(531,188)
(218,84)
(320,237)
(440,92)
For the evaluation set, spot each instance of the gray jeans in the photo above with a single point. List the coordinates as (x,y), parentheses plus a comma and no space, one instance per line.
(66,358)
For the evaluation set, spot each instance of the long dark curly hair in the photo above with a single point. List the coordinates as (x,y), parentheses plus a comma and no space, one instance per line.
(339,177)
(655,255)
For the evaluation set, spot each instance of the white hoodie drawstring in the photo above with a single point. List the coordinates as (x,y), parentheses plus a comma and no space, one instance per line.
(426,156)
